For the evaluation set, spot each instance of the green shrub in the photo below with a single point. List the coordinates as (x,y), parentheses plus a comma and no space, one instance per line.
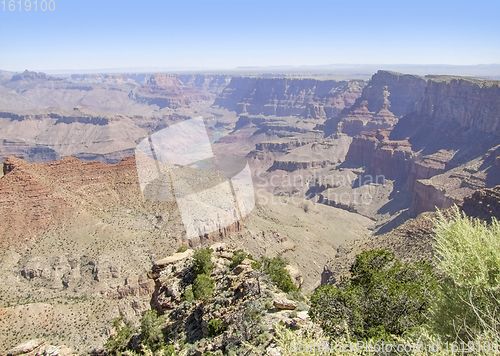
(203,287)
(151,330)
(215,327)
(188,296)
(256,265)
(202,263)
(382,297)
(182,249)
(275,268)
(468,253)
(268,304)
(238,257)
(169,350)
(468,249)
(118,343)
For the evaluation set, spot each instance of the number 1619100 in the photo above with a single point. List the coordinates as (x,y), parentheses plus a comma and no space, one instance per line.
(28,5)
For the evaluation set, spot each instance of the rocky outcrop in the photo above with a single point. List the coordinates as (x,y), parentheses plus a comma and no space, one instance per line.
(320,154)
(287,96)
(170,260)
(483,204)
(363,120)
(285,144)
(386,97)
(239,301)
(456,184)
(428,166)
(468,103)
(39,347)
(11,163)
(290,166)
(429,196)
(283,303)
(402,91)
(381,155)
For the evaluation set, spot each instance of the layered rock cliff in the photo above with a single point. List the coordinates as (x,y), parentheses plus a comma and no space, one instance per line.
(386,97)
(444,147)
(206,82)
(483,204)
(461,104)
(380,155)
(289,96)
(167,91)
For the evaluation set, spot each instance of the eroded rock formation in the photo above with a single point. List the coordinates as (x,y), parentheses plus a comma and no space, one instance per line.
(288,96)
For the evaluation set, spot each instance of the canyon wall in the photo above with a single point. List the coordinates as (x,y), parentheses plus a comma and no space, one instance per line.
(465,103)
(289,96)
(380,155)
(386,97)
(206,82)
(167,91)
(444,148)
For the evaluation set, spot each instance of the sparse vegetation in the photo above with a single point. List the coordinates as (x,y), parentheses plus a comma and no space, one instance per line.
(151,333)
(181,249)
(203,287)
(275,268)
(202,263)
(238,257)
(152,339)
(383,297)
(188,295)
(468,307)
(124,331)
(215,327)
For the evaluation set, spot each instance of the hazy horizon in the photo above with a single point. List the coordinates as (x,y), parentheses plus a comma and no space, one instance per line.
(343,70)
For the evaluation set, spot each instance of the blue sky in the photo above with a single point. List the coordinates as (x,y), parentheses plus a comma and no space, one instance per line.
(92,34)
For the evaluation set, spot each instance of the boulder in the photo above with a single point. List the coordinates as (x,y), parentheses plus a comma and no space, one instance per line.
(226,255)
(242,268)
(281,302)
(246,262)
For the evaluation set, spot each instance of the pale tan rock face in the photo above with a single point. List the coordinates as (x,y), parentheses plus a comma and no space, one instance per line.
(39,347)
(26,347)
(175,258)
